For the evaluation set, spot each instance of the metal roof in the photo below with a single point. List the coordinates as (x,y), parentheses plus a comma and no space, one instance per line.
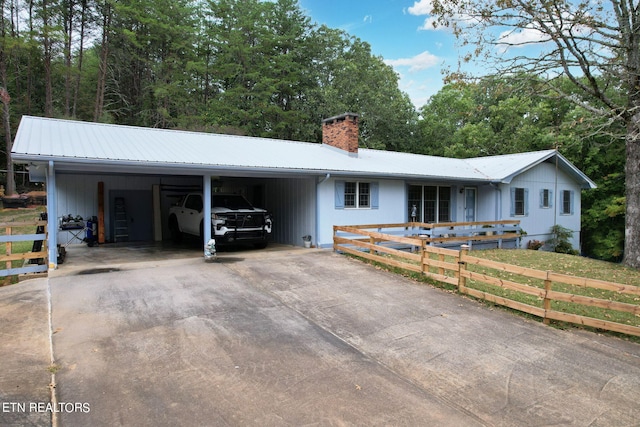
(86,146)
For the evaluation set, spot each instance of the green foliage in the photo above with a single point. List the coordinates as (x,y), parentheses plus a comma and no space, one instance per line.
(500,116)
(242,66)
(560,240)
(490,117)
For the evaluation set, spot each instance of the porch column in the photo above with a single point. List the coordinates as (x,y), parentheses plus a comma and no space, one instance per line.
(52,217)
(206,199)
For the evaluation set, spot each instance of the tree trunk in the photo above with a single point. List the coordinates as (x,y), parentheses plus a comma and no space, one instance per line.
(46,41)
(632,183)
(102,73)
(68,27)
(76,91)
(4,97)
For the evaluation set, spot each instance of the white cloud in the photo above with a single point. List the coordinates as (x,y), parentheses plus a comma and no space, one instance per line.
(429,25)
(425,7)
(420,92)
(421,7)
(526,36)
(419,62)
(368,19)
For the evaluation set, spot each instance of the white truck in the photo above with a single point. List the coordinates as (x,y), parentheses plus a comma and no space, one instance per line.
(233,219)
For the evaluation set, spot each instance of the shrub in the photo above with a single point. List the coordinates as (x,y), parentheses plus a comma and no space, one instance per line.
(560,240)
(534,245)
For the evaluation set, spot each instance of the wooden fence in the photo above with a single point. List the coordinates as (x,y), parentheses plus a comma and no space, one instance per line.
(545,294)
(29,261)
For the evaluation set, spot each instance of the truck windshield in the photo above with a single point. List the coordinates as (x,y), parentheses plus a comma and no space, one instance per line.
(229,201)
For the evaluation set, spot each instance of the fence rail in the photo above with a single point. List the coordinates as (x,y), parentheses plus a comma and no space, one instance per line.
(545,294)
(9,256)
(452,234)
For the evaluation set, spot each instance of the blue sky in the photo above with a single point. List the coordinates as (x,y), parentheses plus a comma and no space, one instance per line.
(396,31)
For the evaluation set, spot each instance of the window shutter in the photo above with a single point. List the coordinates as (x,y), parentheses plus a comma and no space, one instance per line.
(550,198)
(526,202)
(375,201)
(513,202)
(541,198)
(339,197)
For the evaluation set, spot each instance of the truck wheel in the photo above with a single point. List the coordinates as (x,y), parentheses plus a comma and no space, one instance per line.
(176,235)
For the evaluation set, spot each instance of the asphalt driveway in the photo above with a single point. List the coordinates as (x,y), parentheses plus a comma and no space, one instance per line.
(298,338)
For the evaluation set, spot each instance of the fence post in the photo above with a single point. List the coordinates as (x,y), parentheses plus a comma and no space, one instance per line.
(547,301)
(7,246)
(372,242)
(423,255)
(462,266)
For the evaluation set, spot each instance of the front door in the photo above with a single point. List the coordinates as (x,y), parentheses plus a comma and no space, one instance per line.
(469,204)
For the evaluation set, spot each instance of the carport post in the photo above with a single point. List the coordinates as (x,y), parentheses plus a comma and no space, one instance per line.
(52,217)
(206,222)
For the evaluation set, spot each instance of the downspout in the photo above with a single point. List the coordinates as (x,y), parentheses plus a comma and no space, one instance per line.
(52,216)
(498,213)
(318,183)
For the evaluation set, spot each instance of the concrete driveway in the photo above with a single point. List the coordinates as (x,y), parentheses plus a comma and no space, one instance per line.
(297,337)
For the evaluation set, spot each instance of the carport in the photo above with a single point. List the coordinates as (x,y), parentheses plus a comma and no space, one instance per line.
(98,170)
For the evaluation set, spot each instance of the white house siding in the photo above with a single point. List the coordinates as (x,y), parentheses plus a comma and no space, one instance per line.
(538,220)
(488,203)
(392,206)
(292,202)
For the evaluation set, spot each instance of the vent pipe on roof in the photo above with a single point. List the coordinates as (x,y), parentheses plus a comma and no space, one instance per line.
(341,132)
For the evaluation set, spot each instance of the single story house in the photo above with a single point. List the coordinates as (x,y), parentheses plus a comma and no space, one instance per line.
(308,187)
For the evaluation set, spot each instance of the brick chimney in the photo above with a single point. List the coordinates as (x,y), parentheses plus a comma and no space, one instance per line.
(341,132)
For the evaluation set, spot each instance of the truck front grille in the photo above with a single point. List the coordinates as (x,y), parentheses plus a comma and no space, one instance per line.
(242,220)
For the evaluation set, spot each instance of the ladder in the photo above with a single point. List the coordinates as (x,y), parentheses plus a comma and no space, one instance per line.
(121,222)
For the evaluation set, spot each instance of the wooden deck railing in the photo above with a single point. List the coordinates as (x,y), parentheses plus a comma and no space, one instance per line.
(7,260)
(453,234)
(548,295)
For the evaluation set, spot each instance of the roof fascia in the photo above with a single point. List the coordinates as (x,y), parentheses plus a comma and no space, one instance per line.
(563,163)
(128,167)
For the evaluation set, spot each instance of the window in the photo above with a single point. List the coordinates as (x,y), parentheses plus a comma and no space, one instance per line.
(444,204)
(363,195)
(194,202)
(546,198)
(355,194)
(519,201)
(567,202)
(519,206)
(415,202)
(350,192)
(433,203)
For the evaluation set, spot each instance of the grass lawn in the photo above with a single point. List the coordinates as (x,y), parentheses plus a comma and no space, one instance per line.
(558,263)
(570,265)
(565,264)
